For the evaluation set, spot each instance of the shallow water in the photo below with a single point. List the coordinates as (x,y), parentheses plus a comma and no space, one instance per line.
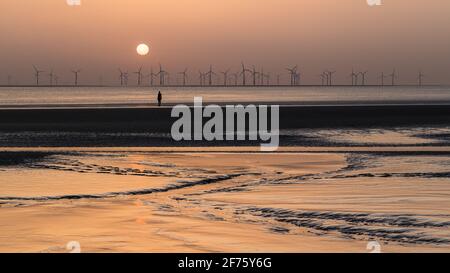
(199,201)
(365,137)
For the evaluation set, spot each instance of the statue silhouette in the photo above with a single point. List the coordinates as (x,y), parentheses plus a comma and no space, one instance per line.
(159,98)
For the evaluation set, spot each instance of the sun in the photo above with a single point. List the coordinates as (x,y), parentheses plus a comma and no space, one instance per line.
(142,49)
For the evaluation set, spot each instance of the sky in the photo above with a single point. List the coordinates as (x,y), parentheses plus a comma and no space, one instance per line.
(99,36)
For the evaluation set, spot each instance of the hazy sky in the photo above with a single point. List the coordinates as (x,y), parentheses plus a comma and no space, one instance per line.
(101,35)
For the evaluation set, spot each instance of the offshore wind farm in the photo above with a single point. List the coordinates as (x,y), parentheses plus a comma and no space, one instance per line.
(222,78)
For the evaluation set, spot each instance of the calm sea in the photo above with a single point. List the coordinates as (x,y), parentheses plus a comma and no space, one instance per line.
(135,96)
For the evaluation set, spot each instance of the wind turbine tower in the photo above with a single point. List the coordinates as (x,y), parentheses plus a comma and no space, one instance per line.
(37,74)
(244,70)
(75,73)
(51,76)
(363,75)
(184,75)
(394,76)
(420,78)
(139,76)
(382,77)
(121,77)
(354,77)
(162,75)
(297,78)
(225,77)
(201,78)
(330,77)
(209,74)
(293,74)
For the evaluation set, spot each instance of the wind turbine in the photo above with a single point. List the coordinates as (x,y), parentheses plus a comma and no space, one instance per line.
(278,79)
(323,76)
(151,76)
(9,79)
(225,77)
(244,70)
(51,76)
(393,76)
(327,77)
(161,74)
(56,79)
(293,73)
(420,77)
(330,77)
(201,77)
(254,75)
(125,78)
(297,78)
(264,78)
(363,74)
(76,72)
(184,74)
(382,77)
(209,74)
(121,77)
(37,74)
(354,77)
(139,76)
(261,77)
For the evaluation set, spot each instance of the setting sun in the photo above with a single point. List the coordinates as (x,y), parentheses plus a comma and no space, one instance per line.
(142,49)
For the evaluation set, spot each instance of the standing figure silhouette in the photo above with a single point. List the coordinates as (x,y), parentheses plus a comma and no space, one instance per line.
(159,98)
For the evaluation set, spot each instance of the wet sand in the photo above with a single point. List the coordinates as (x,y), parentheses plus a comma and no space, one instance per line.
(129,201)
(152,119)
(113,180)
(304,126)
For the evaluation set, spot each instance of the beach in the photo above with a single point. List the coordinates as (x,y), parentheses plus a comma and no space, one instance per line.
(327,189)
(109,177)
(224,202)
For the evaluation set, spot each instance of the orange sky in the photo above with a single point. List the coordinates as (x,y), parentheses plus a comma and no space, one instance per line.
(101,35)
